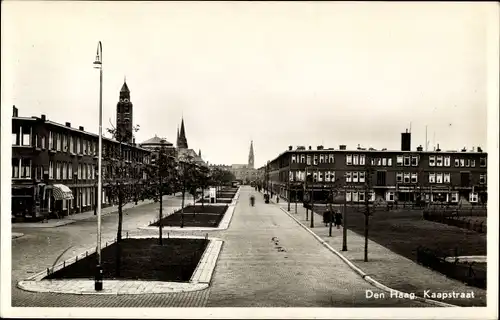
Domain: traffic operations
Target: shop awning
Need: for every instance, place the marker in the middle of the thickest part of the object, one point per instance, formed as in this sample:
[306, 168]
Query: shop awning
[62, 192]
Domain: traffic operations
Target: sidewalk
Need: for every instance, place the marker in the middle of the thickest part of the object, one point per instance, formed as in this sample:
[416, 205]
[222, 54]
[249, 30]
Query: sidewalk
[51, 223]
[385, 266]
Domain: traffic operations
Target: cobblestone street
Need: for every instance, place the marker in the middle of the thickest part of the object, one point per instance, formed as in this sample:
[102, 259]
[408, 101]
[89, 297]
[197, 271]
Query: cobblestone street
[267, 260]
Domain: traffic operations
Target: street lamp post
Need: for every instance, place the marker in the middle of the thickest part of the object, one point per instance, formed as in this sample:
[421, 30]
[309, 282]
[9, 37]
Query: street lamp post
[98, 275]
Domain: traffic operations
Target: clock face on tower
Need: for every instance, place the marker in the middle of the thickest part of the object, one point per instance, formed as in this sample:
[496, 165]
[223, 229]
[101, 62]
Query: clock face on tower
[124, 100]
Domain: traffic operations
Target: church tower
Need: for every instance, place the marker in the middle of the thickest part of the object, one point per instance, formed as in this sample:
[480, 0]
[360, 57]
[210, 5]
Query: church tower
[181, 140]
[250, 157]
[124, 116]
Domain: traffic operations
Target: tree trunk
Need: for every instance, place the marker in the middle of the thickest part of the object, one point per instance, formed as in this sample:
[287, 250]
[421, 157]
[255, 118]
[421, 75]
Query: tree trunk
[160, 223]
[182, 208]
[202, 197]
[367, 214]
[119, 232]
[194, 203]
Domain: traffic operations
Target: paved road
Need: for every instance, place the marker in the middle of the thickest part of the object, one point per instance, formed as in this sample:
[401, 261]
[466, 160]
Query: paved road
[250, 272]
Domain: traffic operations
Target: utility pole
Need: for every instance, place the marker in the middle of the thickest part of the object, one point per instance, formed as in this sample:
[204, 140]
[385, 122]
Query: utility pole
[288, 189]
[344, 227]
[306, 193]
[368, 179]
[312, 200]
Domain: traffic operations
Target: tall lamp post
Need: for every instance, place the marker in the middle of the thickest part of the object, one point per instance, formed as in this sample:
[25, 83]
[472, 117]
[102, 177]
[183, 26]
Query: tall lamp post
[98, 275]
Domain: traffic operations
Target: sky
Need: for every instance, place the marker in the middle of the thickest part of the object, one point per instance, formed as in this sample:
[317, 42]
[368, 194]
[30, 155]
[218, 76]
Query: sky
[277, 73]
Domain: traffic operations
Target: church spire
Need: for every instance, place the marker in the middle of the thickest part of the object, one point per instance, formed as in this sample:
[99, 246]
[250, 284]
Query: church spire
[182, 141]
[251, 156]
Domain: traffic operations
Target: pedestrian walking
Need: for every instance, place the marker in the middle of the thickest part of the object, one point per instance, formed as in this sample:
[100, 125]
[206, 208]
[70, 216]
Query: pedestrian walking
[338, 219]
[327, 217]
[277, 199]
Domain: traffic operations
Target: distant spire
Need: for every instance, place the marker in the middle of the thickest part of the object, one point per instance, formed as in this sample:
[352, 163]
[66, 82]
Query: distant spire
[182, 141]
[199, 153]
[251, 156]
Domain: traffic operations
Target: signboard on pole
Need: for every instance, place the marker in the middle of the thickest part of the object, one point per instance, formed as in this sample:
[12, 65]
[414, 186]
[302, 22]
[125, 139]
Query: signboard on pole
[213, 195]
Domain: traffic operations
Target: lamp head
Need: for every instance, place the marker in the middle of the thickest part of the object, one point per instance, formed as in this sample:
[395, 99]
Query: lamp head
[97, 63]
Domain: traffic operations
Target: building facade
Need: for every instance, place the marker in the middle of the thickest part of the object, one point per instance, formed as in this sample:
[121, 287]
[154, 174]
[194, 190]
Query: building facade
[381, 175]
[54, 167]
[245, 173]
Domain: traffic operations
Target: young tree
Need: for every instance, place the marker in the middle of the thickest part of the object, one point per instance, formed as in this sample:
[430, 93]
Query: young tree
[118, 177]
[162, 177]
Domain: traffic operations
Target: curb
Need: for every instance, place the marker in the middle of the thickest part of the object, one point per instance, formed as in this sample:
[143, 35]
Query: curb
[200, 279]
[363, 275]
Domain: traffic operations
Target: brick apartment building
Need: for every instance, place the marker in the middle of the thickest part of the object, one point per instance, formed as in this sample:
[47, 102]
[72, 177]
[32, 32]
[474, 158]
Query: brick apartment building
[381, 175]
[54, 167]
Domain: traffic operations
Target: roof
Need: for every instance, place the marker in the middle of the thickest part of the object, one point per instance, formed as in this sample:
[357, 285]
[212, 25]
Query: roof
[124, 88]
[156, 140]
[181, 153]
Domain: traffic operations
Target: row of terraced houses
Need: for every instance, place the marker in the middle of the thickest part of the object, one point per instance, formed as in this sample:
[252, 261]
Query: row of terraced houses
[408, 176]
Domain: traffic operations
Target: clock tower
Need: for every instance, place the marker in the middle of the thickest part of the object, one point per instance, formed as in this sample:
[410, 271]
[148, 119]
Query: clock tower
[124, 116]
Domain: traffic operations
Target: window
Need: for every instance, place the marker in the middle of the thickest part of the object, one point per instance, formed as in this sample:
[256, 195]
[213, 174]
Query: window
[414, 161]
[379, 162]
[454, 197]
[432, 178]
[315, 176]
[439, 178]
[362, 159]
[348, 159]
[384, 162]
[332, 176]
[467, 163]
[51, 170]
[372, 161]
[320, 176]
[15, 168]
[473, 163]
[348, 197]
[308, 160]
[65, 143]
[327, 176]
[447, 161]
[65, 171]
[482, 178]
[399, 177]
[439, 161]
[354, 177]
[302, 158]
[361, 197]
[432, 161]
[294, 158]
[390, 196]
[389, 162]
[51, 140]
[355, 197]
[315, 159]
[482, 162]
[462, 162]
[297, 176]
[79, 168]
[77, 145]
[457, 163]
[406, 178]
[58, 170]
[331, 157]
[355, 159]
[381, 175]
[25, 168]
[361, 177]
[43, 142]
[473, 197]
[321, 158]
[348, 177]
[447, 178]
[399, 160]
[27, 137]
[70, 171]
[414, 178]
[406, 160]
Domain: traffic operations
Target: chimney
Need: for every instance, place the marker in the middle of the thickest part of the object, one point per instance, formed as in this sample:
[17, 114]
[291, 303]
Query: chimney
[420, 148]
[438, 149]
[43, 117]
[290, 148]
[68, 124]
[319, 148]
[406, 141]
[14, 111]
[310, 148]
[81, 128]
[479, 149]
[133, 141]
[342, 147]
[463, 150]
